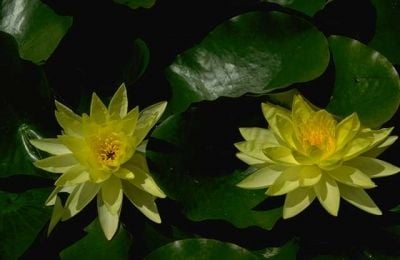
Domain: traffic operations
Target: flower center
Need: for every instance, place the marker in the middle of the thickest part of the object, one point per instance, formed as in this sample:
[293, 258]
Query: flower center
[108, 150]
[318, 132]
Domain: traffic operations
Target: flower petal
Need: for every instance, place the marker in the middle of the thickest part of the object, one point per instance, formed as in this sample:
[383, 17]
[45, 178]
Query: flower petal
[356, 147]
[286, 182]
[58, 211]
[68, 120]
[148, 117]
[109, 222]
[327, 192]
[351, 176]
[254, 149]
[129, 122]
[346, 130]
[73, 176]
[262, 178]
[270, 111]
[123, 173]
[57, 163]
[301, 110]
[249, 159]
[380, 148]
[50, 145]
[51, 200]
[79, 198]
[119, 102]
[309, 175]
[111, 193]
[259, 134]
[142, 179]
[372, 167]
[142, 201]
[280, 155]
[78, 147]
[296, 201]
[359, 198]
[98, 111]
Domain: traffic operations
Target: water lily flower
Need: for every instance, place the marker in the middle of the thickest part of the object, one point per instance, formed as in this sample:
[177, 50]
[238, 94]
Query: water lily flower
[306, 154]
[102, 155]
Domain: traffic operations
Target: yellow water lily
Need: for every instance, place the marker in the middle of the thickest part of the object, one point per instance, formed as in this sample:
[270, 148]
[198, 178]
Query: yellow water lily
[102, 154]
[306, 154]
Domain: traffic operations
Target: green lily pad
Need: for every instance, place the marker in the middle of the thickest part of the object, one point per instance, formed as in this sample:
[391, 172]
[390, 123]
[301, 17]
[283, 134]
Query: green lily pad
[35, 26]
[23, 107]
[95, 246]
[255, 52]
[136, 3]
[387, 33]
[366, 82]
[193, 160]
[309, 7]
[287, 251]
[201, 249]
[22, 216]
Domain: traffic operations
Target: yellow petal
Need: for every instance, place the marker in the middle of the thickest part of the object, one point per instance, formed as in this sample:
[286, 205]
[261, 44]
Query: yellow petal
[356, 147]
[262, 178]
[380, 148]
[68, 120]
[286, 182]
[142, 179]
[142, 201]
[57, 163]
[148, 117]
[301, 110]
[359, 198]
[280, 155]
[51, 200]
[346, 130]
[270, 111]
[259, 134]
[378, 136]
[254, 149]
[73, 176]
[372, 167]
[129, 122]
[111, 193]
[328, 195]
[249, 159]
[123, 173]
[309, 175]
[98, 111]
[351, 176]
[58, 211]
[279, 121]
[50, 145]
[296, 201]
[79, 198]
[98, 176]
[119, 102]
[78, 147]
[109, 222]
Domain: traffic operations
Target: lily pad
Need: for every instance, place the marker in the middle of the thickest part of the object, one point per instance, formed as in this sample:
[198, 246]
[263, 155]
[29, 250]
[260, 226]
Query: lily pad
[255, 52]
[136, 3]
[22, 217]
[95, 246]
[193, 160]
[387, 33]
[36, 27]
[24, 105]
[366, 82]
[201, 249]
[305, 6]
